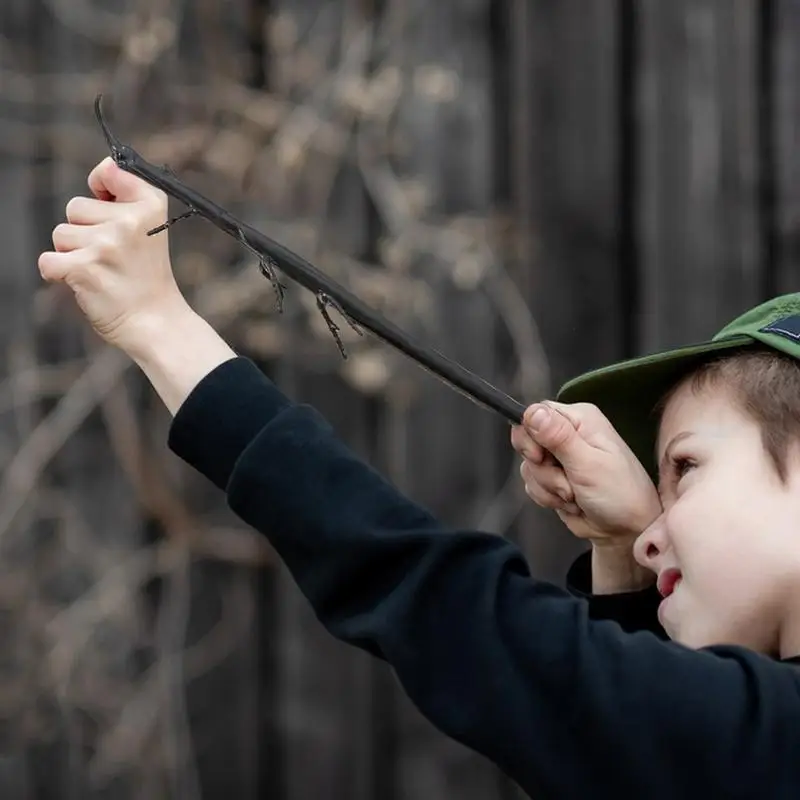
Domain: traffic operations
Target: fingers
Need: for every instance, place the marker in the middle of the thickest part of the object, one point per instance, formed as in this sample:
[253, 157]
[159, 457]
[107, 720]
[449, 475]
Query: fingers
[581, 415]
[107, 181]
[55, 266]
[90, 211]
[545, 481]
[71, 237]
[557, 432]
[98, 178]
[548, 487]
[524, 444]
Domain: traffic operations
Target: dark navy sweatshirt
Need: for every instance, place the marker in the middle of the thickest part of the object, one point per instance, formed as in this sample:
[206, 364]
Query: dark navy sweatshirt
[572, 697]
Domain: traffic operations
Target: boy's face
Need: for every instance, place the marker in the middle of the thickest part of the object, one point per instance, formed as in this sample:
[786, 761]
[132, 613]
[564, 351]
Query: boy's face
[727, 547]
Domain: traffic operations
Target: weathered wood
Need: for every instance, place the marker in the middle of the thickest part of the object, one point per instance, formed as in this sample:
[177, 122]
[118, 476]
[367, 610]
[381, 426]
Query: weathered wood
[229, 706]
[653, 210]
[786, 91]
[102, 505]
[571, 269]
[445, 448]
[324, 688]
[219, 704]
[18, 283]
[699, 200]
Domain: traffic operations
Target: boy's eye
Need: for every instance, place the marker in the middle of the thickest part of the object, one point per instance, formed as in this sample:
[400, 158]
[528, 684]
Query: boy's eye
[681, 465]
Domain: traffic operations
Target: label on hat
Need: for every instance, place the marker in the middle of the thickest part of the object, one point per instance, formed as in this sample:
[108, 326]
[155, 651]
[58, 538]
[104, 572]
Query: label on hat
[788, 327]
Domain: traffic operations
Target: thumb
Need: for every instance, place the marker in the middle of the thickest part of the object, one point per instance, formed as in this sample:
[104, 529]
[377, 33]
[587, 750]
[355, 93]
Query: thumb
[109, 182]
[557, 433]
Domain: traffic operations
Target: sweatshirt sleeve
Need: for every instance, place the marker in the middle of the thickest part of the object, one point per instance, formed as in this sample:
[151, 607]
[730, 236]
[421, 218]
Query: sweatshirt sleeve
[512, 667]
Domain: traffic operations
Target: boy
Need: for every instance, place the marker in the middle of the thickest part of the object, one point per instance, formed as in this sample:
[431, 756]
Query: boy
[569, 707]
[739, 399]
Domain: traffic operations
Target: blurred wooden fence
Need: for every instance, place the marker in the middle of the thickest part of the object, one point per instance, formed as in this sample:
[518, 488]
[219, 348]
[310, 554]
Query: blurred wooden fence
[632, 163]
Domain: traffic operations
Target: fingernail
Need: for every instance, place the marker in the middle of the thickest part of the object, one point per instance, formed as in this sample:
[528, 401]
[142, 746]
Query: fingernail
[537, 419]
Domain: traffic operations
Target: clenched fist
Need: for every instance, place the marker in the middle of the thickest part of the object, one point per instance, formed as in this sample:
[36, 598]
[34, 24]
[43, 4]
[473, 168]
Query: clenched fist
[119, 275]
[575, 463]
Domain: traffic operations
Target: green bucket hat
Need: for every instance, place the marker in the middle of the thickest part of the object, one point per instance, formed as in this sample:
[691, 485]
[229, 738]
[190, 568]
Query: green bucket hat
[628, 392]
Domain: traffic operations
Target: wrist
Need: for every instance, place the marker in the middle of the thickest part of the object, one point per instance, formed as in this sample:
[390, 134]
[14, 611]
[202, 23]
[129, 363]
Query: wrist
[649, 514]
[615, 570]
[635, 523]
[175, 348]
[145, 332]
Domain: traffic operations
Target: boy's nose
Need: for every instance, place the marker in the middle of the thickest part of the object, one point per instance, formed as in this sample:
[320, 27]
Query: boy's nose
[651, 545]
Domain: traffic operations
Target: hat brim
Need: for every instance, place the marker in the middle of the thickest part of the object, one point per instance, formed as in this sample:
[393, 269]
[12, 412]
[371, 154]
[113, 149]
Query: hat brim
[628, 392]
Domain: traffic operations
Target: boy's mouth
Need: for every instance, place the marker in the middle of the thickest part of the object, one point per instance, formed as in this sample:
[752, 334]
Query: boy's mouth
[668, 581]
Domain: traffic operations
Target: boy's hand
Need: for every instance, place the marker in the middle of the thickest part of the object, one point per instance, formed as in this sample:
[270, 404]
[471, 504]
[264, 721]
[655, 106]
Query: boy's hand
[576, 463]
[122, 278]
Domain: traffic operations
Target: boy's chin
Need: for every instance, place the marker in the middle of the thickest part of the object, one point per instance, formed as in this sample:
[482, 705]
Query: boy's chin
[696, 636]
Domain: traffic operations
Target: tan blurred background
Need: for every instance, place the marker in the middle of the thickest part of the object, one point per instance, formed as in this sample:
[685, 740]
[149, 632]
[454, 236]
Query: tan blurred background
[533, 187]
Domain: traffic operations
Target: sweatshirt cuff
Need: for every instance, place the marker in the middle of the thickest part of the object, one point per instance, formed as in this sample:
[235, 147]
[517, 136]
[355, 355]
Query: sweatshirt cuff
[222, 415]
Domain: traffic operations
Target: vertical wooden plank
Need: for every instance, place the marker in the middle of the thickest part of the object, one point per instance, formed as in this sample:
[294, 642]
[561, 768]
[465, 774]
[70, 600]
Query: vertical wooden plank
[786, 91]
[569, 146]
[575, 276]
[105, 523]
[324, 687]
[110, 524]
[39, 535]
[699, 212]
[231, 728]
[18, 284]
[443, 447]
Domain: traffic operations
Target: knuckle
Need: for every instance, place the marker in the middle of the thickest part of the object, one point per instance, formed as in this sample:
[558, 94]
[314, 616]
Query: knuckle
[528, 472]
[52, 267]
[46, 269]
[558, 486]
[533, 492]
[60, 234]
[594, 415]
[519, 439]
[560, 432]
[138, 219]
[106, 245]
[538, 494]
[156, 202]
[551, 479]
[129, 225]
[544, 500]
[588, 410]
[74, 207]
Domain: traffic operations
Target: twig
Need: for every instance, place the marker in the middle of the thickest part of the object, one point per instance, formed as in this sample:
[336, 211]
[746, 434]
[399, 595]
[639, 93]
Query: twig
[308, 276]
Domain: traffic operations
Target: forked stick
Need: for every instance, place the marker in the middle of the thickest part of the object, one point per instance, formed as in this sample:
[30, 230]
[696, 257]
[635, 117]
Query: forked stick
[273, 256]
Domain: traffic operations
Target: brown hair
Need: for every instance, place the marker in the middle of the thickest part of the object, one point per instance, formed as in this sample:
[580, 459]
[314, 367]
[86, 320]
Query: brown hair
[766, 385]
